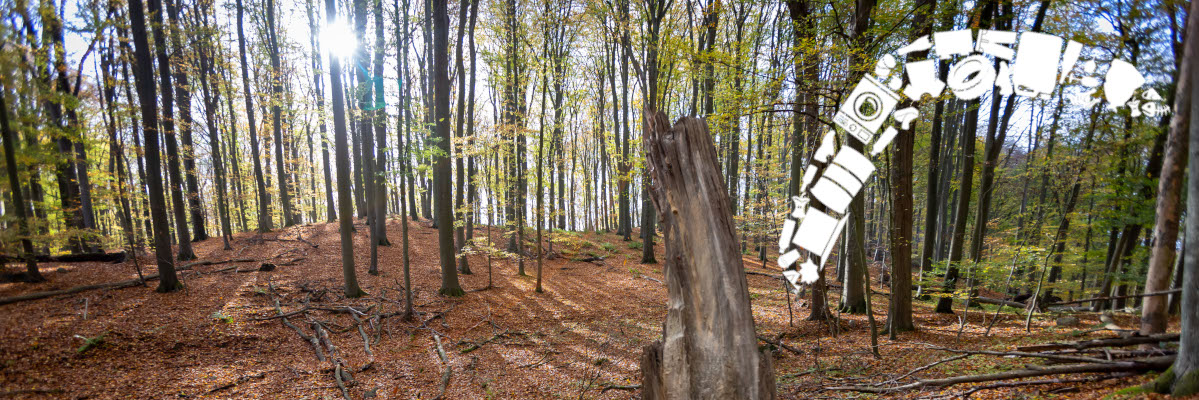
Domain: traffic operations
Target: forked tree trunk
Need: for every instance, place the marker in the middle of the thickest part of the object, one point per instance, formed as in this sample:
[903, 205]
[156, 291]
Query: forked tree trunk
[709, 348]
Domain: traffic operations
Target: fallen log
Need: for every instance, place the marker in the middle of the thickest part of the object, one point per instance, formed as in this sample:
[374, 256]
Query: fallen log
[77, 289]
[1002, 302]
[1058, 381]
[1131, 296]
[1148, 364]
[109, 285]
[1047, 356]
[115, 258]
[1106, 342]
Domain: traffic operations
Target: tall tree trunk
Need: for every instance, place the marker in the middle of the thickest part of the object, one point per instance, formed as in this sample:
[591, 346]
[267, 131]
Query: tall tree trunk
[900, 316]
[1183, 378]
[318, 91]
[276, 79]
[183, 97]
[345, 207]
[207, 54]
[460, 168]
[167, 280]
[67, 170]
[853, 295]
[379, 116]
[168, 126]
[1169, 208]
[405, 197]
[441, 162]
[983, 11]
[264, 208]
[14, 185]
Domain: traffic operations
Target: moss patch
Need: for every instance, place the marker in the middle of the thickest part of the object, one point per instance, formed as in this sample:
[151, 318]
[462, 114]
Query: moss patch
[1187, 384]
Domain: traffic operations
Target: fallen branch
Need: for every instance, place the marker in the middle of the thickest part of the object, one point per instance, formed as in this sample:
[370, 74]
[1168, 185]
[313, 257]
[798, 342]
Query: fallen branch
[1002, 302]
[114, 285]
[189, 265]
[1047, 356]
[240, 380]
[610, 386]
[366, 341]
[476, 346]
[1001, 385]
[779, 343]
[115, 258]
[77, 289]
[930, 365]
[1131, 296]
[1107, 342]
[1148, 364]
[445, 377]
[316, 346]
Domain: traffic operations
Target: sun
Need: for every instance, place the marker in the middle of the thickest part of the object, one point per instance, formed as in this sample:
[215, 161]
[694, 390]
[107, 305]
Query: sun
[337, 39]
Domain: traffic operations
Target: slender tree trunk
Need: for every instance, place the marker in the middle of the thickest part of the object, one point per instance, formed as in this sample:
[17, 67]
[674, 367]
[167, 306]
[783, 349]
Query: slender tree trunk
[276, 79]
[441, 162]
[211, 100]
[346, 217]
[168, 126]
[167, 280]
[14, 184]
[1183, 378]
[264, 208]
[1154, 315]
[460, 168]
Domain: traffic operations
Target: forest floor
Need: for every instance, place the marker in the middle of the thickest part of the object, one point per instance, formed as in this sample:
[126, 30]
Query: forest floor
[581, 338]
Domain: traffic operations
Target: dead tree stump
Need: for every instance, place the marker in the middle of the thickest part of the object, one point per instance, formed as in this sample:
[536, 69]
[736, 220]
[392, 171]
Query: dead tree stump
[709, 347]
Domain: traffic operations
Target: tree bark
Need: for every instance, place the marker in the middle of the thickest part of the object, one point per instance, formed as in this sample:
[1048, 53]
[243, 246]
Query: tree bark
[1183, 377]
[344, 199]
[1169, 208]
[14, 184]
[709, 349]
[441, 162]
[146, 95]
[264, 207]
[168, 125]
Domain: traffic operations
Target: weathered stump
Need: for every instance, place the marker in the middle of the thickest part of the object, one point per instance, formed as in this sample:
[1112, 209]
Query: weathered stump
[709, 346]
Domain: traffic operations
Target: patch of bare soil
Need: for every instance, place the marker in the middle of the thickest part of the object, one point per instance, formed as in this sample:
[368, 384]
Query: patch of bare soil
[581, 338]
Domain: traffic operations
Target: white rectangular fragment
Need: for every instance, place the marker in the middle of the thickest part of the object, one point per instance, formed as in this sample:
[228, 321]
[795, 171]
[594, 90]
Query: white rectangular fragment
[788, 258]
[854, 162]
[831, 195]
[785, 236]
[843, 178]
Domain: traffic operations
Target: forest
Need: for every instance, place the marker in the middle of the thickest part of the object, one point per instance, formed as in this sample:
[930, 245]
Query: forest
[659, 199]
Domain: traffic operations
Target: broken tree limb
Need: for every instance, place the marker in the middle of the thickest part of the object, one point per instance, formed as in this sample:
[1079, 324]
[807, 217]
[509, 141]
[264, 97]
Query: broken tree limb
[1059, 381]
[76, 289]
[110, 285]
[239, 381]
[449, 371]
[115, 258]
[1131, 296]
[927, 366]
[779, 343]
[1148, 364]
[1047, 356]
[1106, 342]
[1002, 302]
[476, 346]
[366, 341]
[708, 347]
